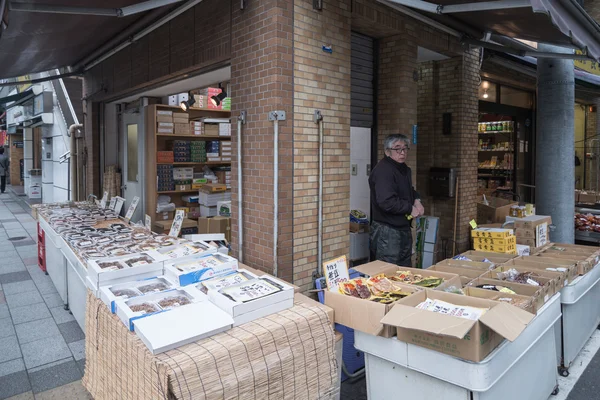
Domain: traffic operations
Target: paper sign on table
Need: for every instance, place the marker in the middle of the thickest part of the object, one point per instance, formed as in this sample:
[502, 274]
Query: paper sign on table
[132, 207]
[336, 272]
[113, 203]
[119, 205]
[104, 200]
[177, 222]
[148, 222]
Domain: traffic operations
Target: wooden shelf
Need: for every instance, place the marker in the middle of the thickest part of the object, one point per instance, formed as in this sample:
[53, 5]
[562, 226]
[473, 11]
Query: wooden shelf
[195, 136]
[492, 132]
[179, 191]
[496, 151]
[197, 163]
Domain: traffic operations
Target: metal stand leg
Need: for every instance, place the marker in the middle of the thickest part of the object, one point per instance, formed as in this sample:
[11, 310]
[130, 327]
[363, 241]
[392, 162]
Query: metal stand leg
[555, 391]
[563, 371]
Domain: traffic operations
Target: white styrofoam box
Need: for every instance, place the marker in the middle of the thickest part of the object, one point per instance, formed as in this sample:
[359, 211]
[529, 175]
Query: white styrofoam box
[182, 97]
[197, 248]
[213, 199]
[233, 278]
[208, 211]
[243, 312]
[129, 290]
[129, 316]
[165, 331]
[172, 100]
[359, 245]
[102, 277]
[193, 269]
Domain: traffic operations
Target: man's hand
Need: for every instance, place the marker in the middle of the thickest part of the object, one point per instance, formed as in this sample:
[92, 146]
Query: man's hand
[419, 207]
[415, 212]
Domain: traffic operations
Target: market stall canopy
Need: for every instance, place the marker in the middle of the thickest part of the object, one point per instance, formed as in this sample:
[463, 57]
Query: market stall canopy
[558, 22]
[40, 36]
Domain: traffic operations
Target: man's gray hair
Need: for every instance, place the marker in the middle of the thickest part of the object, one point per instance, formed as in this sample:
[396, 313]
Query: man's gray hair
[391, 139]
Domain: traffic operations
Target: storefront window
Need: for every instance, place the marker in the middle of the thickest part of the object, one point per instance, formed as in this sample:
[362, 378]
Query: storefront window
[132, 153]
[487, 91]
[515, 97]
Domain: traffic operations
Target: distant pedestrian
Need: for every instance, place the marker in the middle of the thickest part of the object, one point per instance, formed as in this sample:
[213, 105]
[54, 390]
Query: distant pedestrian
[4, 163]
[395, 203]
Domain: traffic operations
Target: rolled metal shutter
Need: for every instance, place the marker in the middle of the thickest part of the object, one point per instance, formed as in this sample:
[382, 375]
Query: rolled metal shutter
[363, 76]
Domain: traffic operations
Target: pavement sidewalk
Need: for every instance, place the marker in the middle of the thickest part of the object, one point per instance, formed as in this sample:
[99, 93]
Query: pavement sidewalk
[42, 349]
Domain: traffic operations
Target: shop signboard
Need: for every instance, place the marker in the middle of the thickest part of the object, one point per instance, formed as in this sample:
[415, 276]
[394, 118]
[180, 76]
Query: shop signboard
[336, 272]
[587, 65]
[24, 86]
[42, 103]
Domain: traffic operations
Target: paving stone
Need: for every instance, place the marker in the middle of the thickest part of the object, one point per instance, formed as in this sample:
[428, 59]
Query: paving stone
[71, 331]
[6, 328]
[19, 287]
[74, 390]
[14, 266]
[23, 299]
[53, 300]
[4, 311]
[78, 349]
[45, 287]
[32, 312]
[13, 277]
[9, 349]
[81, 364]
[10, 367]
[14, 384]
[2, 297]
[30, 261]
[45, 351]
[61, 315]
[36, 330]
[9, 220]
[26, 246]
[23, 396]
[53, 377]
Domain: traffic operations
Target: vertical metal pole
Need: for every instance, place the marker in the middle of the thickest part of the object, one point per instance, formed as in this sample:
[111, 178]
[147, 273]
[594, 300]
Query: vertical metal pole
[275, 196]
[241, 122]
[318, 118]
[555, 168]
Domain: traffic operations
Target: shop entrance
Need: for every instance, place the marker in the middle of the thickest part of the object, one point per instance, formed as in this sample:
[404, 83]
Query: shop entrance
[132, 139]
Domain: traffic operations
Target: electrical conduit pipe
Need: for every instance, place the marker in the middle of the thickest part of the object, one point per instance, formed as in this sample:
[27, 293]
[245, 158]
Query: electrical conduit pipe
[241, 121]
[318, 118]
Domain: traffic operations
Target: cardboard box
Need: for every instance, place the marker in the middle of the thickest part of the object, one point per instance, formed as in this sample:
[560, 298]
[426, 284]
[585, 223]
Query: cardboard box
[528, 302]
[466, 274]
[182, 128]
[584, 263]
[133, 289]
[555, 279]
[495, 248]
[197, 268]
[587, 198]
[495, 212]
[152, 265]
[165, 331]
[492, 233]
[539, 297]
[547, 288]
[523, 250]
[479, 266]
[496, 258]
[165, 226]
[244, 312]
[532, 221]
[363, 315]
[460, 337]
[508, 241]
[300, 299]
[129, 317]
[568, 273]
[215, 225]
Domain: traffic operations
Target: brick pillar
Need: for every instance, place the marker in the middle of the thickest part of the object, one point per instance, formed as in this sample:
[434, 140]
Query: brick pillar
[92, 142]
[592, 129]
[397, 86]
[261, 81]
[321, 81]
[449, 86]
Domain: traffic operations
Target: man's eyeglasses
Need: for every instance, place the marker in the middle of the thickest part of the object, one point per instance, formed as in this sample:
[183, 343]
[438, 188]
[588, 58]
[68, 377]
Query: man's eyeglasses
[401, 150]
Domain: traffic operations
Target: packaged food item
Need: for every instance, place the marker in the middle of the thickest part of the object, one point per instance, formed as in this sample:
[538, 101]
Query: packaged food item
[251, 290]
[110, 265]
[442, 307]
[145, 308]
[513, 275]
[226, 281]
[126, 293]
[173, 301]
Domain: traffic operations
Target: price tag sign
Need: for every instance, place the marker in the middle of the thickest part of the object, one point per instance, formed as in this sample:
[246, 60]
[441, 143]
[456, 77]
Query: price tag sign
[104, 200]
[473, 224]
[113, 203]
[177, 223]
[132, 207]
[148, 222]
[542, 235]
[336, 272]
[119, 205]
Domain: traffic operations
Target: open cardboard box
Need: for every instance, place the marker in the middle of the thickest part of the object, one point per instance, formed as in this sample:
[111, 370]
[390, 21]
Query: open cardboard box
[458, 337]
[466, 274]
[569, 274]
[528, 302]
[380, 267]
[479, 266]
[548, 285]
[539, 294]
[495, 211]
[584, 263]
[496, 258]
[556, 280]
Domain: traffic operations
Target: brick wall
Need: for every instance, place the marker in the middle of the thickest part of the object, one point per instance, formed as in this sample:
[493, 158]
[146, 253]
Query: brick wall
[15, 154]
[593, 8]
[321, 81]
[261, 81]
[449, 86]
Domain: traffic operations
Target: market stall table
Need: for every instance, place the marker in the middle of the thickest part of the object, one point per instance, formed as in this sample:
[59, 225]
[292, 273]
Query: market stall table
[521, 370]
[288, 355]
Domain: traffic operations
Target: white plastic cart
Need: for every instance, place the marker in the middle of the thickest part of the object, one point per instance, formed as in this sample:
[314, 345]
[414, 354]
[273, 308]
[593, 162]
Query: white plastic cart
[55, 259]
[580, 302]
[521, 370]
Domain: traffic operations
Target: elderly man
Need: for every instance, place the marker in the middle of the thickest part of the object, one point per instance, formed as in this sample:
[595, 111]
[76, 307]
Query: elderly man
[395, 203]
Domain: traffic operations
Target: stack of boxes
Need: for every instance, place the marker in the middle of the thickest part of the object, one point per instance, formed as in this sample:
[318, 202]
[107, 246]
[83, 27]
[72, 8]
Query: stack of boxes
[211, 129]
[164, 120]
[182, 151]
[226, 105]
[213, 151]
[207, 94]
[181, 122]
[494, 240]
[165, 178]
[225, 150]
[533, 231]
[223, 175]
[224, 129]
[183, 178]
[197, 128]
[165, 157]
[198, 151]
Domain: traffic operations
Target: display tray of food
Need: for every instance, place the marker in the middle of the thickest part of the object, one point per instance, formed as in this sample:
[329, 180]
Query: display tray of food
[129, 290]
